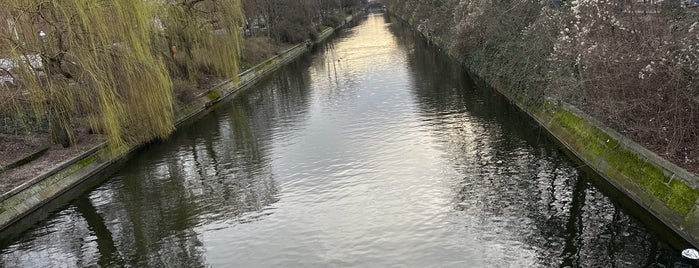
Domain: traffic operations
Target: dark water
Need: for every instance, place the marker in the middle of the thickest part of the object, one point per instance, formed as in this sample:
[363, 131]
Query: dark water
[374, 151]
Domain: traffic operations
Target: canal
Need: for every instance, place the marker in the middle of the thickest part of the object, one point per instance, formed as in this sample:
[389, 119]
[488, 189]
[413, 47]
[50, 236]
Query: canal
[375, 150]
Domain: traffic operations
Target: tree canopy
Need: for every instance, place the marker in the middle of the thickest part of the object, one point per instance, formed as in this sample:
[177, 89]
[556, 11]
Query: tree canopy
[109, 64]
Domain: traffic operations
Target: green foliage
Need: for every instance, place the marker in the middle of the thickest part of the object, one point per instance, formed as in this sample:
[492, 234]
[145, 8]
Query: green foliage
[96, 60]
[110, 62]
[202, 37]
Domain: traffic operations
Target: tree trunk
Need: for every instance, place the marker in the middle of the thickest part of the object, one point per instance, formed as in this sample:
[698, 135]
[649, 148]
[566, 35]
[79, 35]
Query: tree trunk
[59, 133]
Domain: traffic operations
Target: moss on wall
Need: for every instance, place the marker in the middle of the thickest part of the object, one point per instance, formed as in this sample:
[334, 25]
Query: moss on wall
[597, 146]
[667, 191]
[213, 95]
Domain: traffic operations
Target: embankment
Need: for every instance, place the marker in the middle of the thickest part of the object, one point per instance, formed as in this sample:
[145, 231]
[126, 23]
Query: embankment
[665, 190]
[38, 192]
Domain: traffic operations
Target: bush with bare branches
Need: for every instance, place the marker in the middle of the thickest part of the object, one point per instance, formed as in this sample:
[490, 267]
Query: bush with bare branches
[631, 64]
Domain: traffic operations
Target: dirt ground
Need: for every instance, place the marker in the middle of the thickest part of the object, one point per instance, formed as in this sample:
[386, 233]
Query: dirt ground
[14, 147]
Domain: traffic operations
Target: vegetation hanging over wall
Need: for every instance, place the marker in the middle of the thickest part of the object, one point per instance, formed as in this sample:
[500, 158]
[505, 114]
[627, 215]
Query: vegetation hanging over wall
[202, 37]
[109, 65]
[119, 68]
[631, 64]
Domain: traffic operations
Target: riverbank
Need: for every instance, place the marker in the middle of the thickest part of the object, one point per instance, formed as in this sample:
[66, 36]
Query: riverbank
[84, 163]
[392, 144]
[665, 190]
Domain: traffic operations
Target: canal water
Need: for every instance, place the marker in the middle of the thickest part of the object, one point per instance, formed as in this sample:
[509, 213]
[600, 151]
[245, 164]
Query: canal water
[375, 150]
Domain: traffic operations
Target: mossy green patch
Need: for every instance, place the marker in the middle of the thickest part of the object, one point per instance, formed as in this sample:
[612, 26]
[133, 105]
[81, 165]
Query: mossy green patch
[266, 64]
[682, 198]
[213, 95]
[322, 28]
[658, 189]
[86, 161]
[677, 195]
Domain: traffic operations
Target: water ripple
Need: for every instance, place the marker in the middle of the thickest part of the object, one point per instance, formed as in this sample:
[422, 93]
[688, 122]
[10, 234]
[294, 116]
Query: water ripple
[374, 152]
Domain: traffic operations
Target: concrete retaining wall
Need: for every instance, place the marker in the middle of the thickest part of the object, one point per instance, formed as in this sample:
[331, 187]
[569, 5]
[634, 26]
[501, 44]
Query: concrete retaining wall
[665, 190]
[32, 195]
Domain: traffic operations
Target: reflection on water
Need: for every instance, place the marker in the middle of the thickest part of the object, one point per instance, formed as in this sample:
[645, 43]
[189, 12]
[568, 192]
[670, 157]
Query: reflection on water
[373, 151]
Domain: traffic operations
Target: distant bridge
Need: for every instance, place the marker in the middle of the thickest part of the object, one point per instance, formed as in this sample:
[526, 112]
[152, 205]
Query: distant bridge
[374, 6]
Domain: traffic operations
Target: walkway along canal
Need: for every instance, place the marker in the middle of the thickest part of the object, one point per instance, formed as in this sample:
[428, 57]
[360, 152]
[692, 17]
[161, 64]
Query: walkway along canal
[374, 150]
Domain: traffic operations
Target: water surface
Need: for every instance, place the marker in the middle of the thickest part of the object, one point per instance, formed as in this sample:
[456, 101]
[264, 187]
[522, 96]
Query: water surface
[373, 151]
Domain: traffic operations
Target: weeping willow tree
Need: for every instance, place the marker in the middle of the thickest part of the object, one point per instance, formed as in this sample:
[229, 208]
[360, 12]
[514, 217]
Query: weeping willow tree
[105, 64]
[94, 62]
[203, 37]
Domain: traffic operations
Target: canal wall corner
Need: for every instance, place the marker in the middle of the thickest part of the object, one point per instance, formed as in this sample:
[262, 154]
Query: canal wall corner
[37, 192]
[668, 192]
